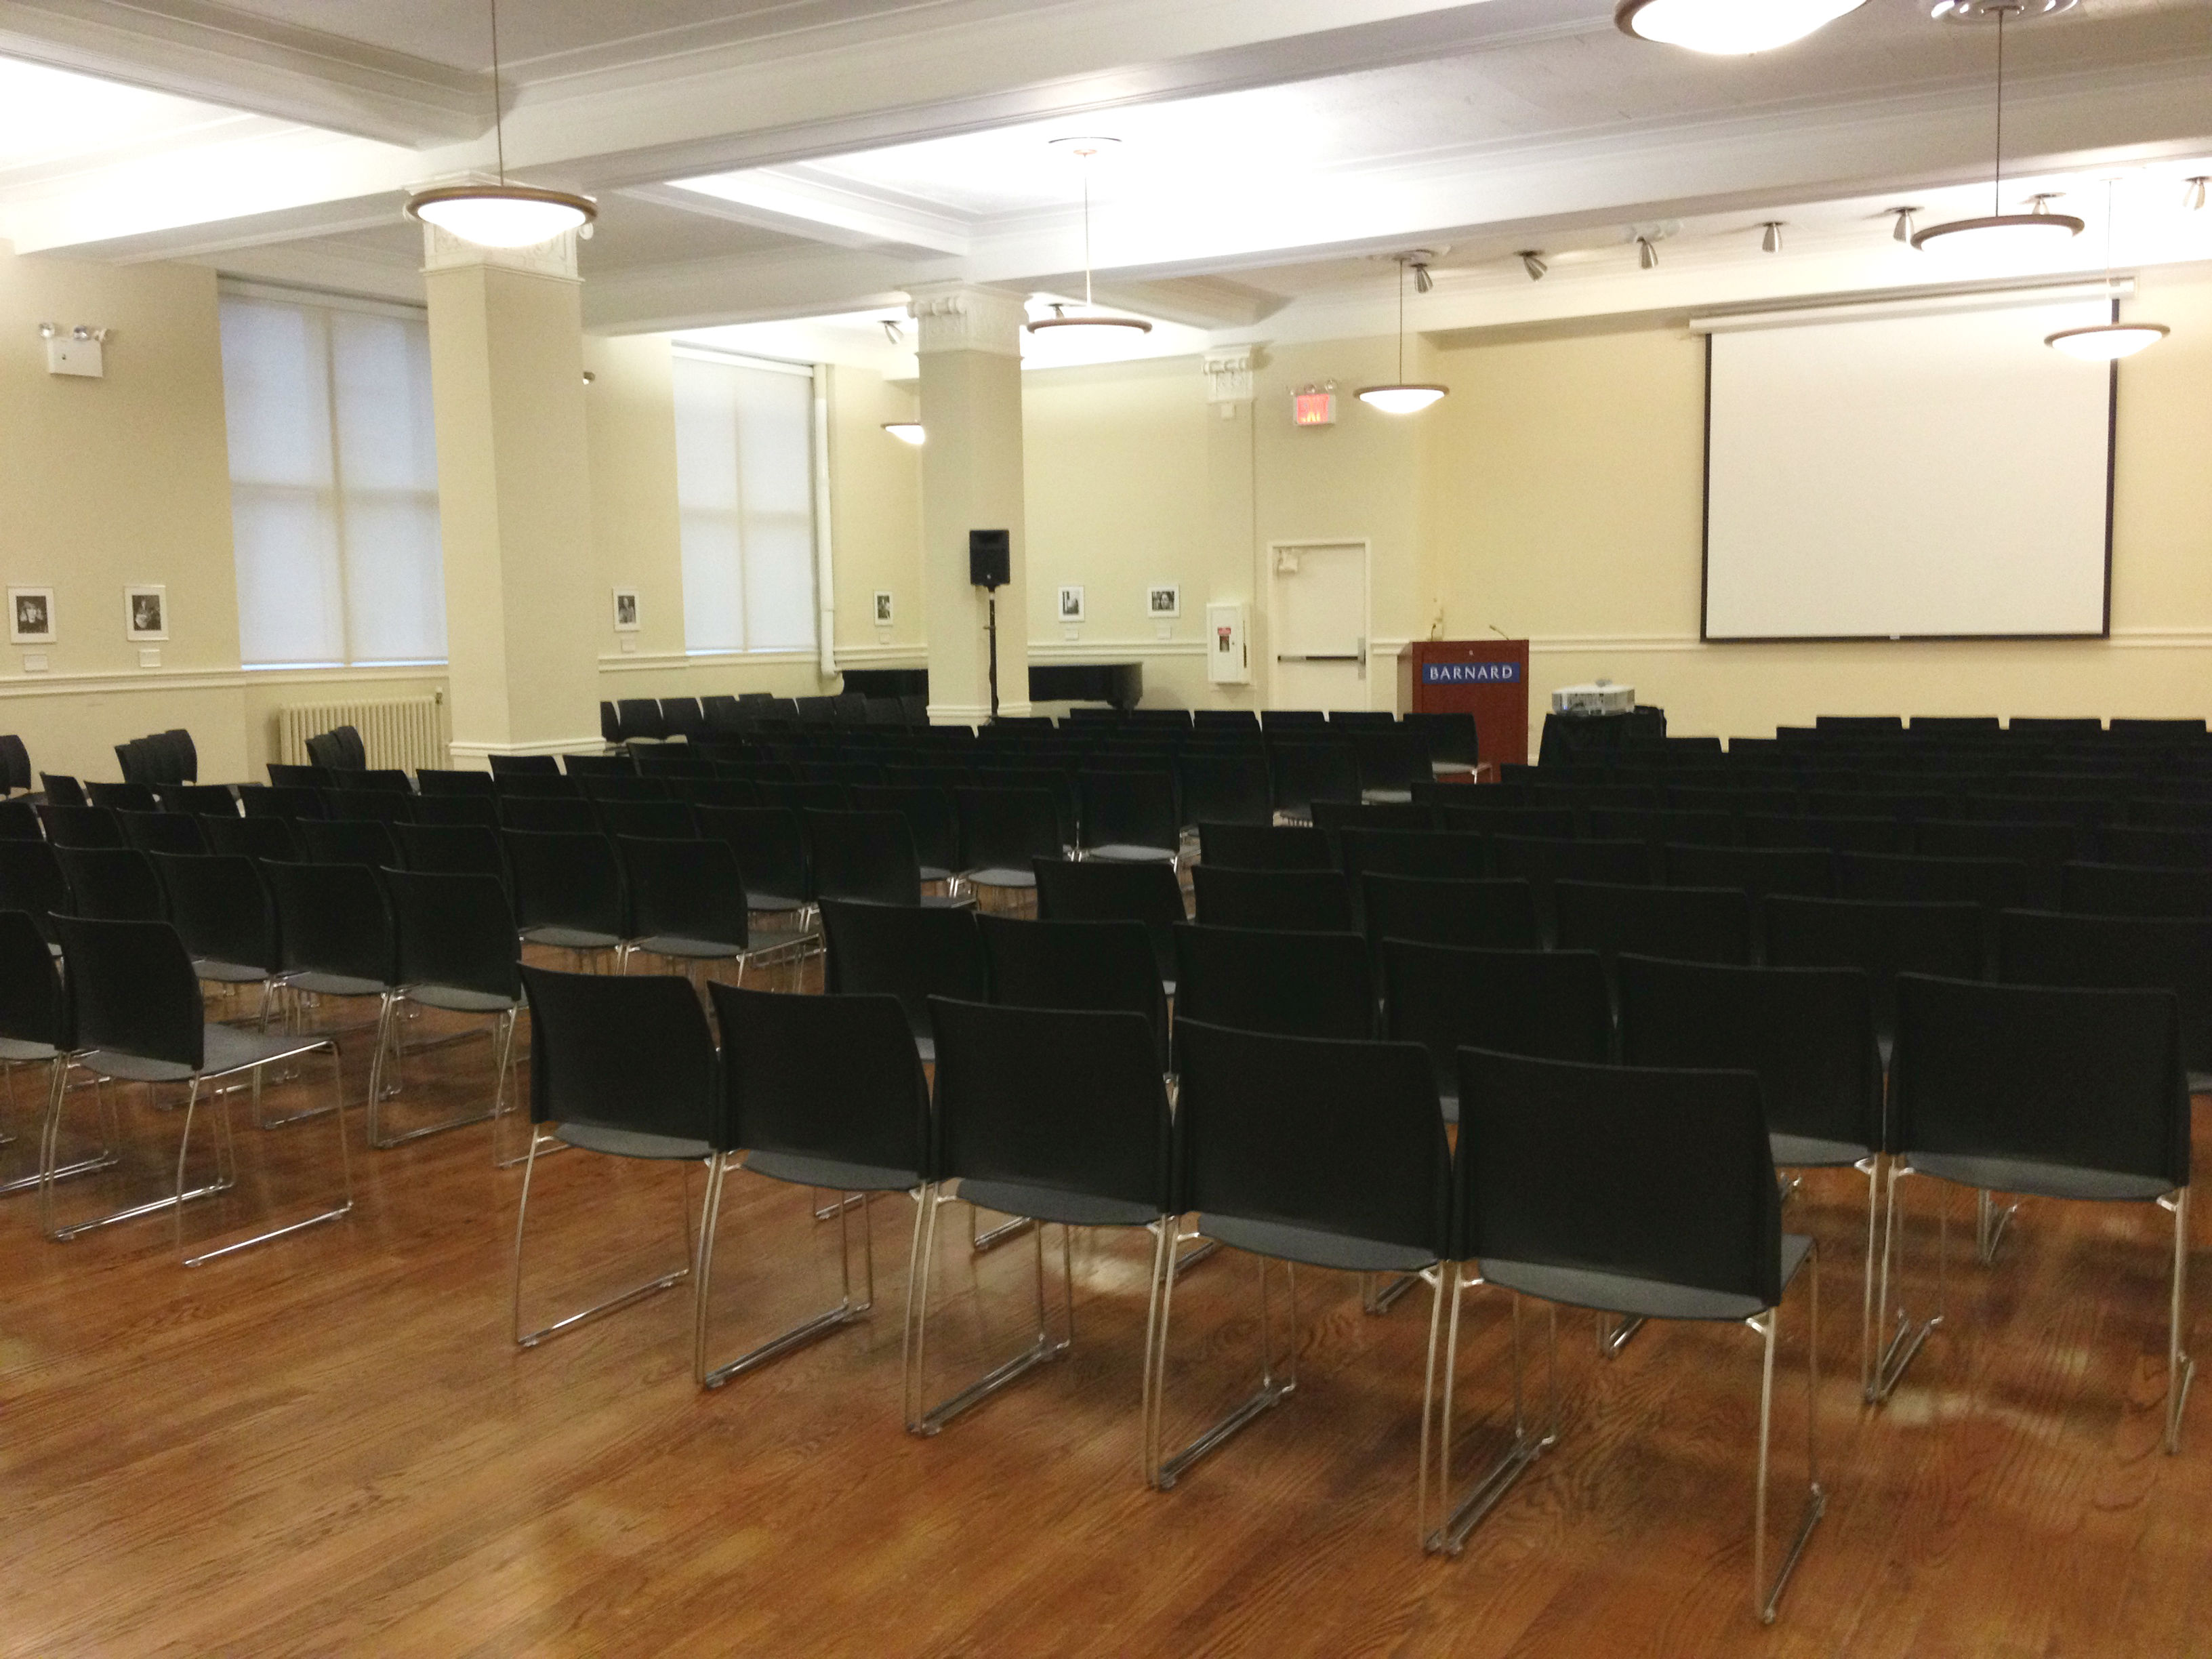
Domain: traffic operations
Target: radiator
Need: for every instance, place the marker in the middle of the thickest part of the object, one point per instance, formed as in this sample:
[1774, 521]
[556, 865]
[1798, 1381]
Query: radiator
[409, 732]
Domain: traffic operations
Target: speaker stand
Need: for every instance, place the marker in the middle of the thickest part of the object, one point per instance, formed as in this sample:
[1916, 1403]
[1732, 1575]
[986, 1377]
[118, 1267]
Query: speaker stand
[992, 596]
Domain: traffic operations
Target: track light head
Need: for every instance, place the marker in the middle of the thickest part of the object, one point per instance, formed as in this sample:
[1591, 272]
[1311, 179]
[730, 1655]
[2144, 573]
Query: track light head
[1903, 229]
[1532, 262]
[2192, 194]
[1772, 241]
[1422, 281]
[1647, 255]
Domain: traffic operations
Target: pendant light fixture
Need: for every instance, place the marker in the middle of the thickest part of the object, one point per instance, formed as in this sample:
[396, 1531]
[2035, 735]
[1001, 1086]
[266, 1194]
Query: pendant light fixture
[2105, 343]
[1084, 149]
[1999, 229]
[1728, 27]
[1402, 397]
[502, 214]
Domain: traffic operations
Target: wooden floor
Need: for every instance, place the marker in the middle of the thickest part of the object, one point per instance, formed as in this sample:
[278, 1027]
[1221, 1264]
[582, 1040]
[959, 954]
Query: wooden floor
[330, 1444]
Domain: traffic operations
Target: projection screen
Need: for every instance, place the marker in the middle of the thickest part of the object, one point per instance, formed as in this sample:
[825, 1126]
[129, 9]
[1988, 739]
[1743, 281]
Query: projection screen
[1880, 472]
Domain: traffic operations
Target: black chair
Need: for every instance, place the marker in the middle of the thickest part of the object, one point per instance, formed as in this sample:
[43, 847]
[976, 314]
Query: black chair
[771, 851]
[1413, 817]
[200, 799]
[455, 942]
[61, 790]
[821, 1092]
[640, 718]
[436, 781]
[19, 821]
[269, 800]
[1260, 846]
[1002, 831]
[1552, 1004]
[1534, 822]
[162, 832]
[1644, 1193]
[1882, 939]
[2167, 953]
[570, 815]
[1305, 772]
[1053, 1115]
[15, 765]
[122, 797]
[83, 826]
[929, 819]
[1302, 1150]
[623, 1067]
[1227, 789]
[1391, 762]
[31, 880]
[1454, 857]
[252, 838]
[504, 767]
[646, 820]
[866, 855]
[568, 892]
[538, 785]
[112, 884]
[1098, 966]
[2113, 890]
[2055, 1092]
[1494, 915]
[1302, 901]
[1994, 883]
[34, 1030]
[2155, 846]
[139, 1018]
[221, 909]
[1802, 872]
[336, 942]
[1808, 1034]
[349, 840]
[1685, 924]
[326, 753]
[687, 905]
[2029, 843]
[1130, 817]
[1096, 890]
[1257, 980]
[913, 954]
[451, 850]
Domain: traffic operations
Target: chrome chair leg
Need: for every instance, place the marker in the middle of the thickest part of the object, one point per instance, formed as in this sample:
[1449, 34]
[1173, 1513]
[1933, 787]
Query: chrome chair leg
[1379, 1292]
[49, 1174]
[1871, 1168]
[1612, 1339]
[104, 1158]
[1273, 1389]
[847, 1312]
[980, 1241]
[1454, 1522]
[1043, 1346]
[1767, 1596]
[344, 1205]
[1905, 1339]
[622, 1299]
[2180, 1369]
[1989, 1224]
[398, 1007]
[837, 1206]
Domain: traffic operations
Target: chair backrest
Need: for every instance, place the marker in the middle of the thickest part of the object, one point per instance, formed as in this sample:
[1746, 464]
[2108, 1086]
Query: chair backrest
[1405, 818]
[863, 855]
[2044, 842]
[1227, 789]
[19, 821]
[325, 750]
[112, 884]
[1882, 938]
[33, 1008]
[627, 1052]
[382, 805]
[1805, 871]
[273, 800]
[2155, 846]
[2171, 953]
[2087, 1080]
[436, 781]
[929, 819]
[162, 832]
[1342, 1137]
[456, 931]
[83, 826]
[1994, 883]
[221, 909]
[1623, 863]
[132, 989]
[833, 1076]
[1808, 1033]
[1494, 915]
[1264, 847]
[200, 799]
[1305, 772]
[62, 790]
[14, 763]
[122, 797]
[350, 746]
[911, 953]
[2111, 890]
[1451, 855]
[1005, 828]
[1302, 901]
[770, 845]
[31, 880]
[663, 820]
[253, 838]
[349, 840]
[1129, 809]
[1552, 1003]
[640, 717]
[1099, 890]
[333, 919]
[1688, 924]
[1316, 984]
[691, 890]
[451, 850]
[565, 879]
[1095, 965]
[548, 814]
[1659, 1175]
[523, 766]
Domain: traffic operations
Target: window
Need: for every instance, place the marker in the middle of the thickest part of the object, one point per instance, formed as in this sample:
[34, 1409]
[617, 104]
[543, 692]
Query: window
[744, 486]
[333, 482]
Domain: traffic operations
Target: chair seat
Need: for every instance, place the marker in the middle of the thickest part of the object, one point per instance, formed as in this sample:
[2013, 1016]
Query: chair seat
[1644, 1298]
[1130, 852]
[994, 877]
[456, 1000]
[1057, 1204]
[570, 939]
[1314, 1246]
[772, 903]
[228, 973]
[698, 949]
[2023, 1175]
[223, 1049]
[14, 1051]
[2200, 1083]
[948, 902]
[1815, 1153]
[835, 1175]
[629, 1143]
[1386, 797]
[336, 985]
[1448, 1099]
[935, 872]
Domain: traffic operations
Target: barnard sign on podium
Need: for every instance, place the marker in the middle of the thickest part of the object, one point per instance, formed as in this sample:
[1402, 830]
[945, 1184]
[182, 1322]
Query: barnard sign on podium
[1470, 673]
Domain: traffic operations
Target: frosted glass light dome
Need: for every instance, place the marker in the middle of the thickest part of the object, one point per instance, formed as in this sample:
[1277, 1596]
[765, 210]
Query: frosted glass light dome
[1399, 399]
[2107, 343]
[1728, 27]
[502, 216]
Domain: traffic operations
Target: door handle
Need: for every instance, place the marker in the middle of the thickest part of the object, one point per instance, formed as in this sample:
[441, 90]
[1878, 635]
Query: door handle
[1316, 657]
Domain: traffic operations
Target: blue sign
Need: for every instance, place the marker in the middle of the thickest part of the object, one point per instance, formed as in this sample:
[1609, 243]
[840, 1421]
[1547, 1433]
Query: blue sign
[1470, 673]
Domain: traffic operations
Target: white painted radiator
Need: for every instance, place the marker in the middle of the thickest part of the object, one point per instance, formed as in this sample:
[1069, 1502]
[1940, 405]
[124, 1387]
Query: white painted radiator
[407, 732]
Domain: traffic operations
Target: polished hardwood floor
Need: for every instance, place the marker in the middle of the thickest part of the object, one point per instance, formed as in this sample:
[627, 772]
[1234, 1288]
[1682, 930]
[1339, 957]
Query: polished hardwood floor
[330, 1445]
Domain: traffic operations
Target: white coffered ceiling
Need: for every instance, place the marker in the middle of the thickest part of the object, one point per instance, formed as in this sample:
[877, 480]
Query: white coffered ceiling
[759, 160]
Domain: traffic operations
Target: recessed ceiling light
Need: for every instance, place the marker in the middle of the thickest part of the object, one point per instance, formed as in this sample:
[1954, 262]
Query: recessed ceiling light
[1728, 27]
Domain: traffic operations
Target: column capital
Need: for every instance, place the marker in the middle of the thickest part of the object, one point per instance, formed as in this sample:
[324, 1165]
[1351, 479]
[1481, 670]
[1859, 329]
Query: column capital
[1229, 374]
[443, 251]
[962, 316]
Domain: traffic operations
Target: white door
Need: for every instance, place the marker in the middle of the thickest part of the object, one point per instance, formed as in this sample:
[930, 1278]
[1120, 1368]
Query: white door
[1318, 625]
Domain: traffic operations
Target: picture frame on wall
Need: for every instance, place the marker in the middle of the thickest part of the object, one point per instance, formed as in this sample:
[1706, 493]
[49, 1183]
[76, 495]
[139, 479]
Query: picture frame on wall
[1164, 601]
[1071, 605]
[146, 612]
[31, 616]
[625, 611]
[883, 607]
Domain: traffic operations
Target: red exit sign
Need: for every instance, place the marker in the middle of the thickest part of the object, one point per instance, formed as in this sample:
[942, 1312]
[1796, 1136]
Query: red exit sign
[1313, 409]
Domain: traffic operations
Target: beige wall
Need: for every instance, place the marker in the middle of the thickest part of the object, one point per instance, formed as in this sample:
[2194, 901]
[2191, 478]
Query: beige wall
[875, 517]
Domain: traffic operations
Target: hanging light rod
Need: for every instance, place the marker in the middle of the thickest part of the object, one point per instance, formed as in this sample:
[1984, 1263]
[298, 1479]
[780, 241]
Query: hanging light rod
[1997, 227]
[2106, 342]
[502, 214]
[1085, 149]
[1403, 397]
[1728, 27]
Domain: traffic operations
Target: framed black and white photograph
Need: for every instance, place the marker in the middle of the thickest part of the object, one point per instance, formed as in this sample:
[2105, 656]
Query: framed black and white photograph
[883, 607]
[146, 613]
[1071, 605]
[31, 616]
[1164, 600]
[625, 611]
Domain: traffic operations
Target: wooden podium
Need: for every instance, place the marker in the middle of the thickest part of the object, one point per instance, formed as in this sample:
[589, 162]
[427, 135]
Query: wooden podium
[1486, 678]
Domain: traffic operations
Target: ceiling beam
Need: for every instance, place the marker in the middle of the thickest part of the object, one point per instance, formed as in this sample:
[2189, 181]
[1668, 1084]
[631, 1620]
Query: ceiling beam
[778, 198]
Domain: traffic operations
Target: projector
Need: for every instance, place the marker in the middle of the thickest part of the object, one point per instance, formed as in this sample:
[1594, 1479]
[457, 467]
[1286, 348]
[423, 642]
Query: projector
[1600, 697]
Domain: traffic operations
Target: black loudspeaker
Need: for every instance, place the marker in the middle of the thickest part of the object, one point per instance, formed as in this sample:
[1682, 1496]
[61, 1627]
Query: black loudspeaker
[990, 558]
